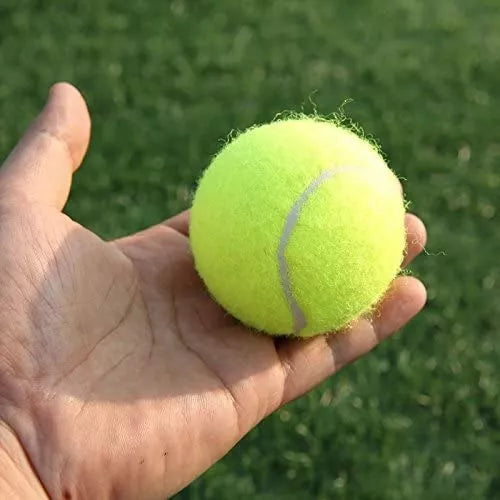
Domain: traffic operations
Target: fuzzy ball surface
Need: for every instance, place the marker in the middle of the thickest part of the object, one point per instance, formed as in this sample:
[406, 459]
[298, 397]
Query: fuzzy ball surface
[297, 227]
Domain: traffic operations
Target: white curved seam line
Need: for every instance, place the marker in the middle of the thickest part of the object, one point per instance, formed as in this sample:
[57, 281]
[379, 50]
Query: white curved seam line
[299, 319]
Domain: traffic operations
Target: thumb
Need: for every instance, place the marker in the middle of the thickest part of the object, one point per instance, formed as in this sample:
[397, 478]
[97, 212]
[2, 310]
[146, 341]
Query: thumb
[41, 166]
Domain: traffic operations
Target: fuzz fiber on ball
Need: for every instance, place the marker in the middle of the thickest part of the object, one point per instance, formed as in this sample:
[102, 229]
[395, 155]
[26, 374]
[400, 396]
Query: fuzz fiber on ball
[297, 227]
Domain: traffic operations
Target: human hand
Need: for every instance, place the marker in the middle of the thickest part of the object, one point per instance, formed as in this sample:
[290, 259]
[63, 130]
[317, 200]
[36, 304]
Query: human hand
[119, 376]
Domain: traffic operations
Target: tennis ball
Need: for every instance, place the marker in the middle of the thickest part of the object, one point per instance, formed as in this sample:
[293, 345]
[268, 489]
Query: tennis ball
[297, 227]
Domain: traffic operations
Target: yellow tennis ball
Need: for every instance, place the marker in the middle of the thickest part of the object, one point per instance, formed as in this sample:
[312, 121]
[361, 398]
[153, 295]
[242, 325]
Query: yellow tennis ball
[297, 227]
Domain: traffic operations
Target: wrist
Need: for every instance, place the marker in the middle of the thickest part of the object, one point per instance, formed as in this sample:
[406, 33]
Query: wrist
[17, 478]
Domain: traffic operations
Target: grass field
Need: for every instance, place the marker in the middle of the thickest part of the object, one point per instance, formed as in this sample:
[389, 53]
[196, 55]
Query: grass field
[167, 80]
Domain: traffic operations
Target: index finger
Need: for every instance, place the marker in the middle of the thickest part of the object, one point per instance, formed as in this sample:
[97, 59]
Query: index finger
[416, 235]
[179, 222]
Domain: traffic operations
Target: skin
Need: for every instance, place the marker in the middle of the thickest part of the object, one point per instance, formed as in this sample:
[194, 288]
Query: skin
[119, 376]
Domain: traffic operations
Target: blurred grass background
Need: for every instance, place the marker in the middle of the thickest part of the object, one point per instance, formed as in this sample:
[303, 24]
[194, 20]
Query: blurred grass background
[167, 80]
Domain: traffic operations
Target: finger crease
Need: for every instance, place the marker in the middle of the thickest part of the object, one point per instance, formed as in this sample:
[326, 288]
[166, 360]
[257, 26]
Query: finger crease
[60, 141]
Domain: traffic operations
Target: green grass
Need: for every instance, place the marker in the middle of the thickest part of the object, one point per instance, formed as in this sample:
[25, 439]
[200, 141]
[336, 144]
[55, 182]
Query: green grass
[167, 80]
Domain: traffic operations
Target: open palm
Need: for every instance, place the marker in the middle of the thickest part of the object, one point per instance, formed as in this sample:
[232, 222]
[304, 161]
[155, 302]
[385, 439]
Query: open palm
[119, 376]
